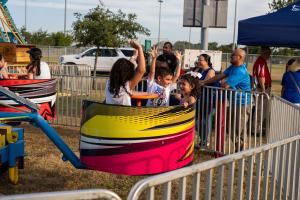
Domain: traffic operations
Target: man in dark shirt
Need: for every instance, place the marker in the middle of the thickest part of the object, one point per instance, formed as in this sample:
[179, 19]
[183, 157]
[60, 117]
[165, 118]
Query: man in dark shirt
[168, 56]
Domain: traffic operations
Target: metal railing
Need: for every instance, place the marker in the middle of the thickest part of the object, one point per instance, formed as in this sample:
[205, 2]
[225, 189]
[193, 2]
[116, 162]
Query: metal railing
[71, 70]
[17, 69]
[72, 90]
[56, 69]
[271, 171]
[66, 195]
[229, 121]
[284, 119]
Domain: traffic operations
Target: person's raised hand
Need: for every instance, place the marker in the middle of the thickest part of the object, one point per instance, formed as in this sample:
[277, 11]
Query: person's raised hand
[134, 44]
[185, 104]
[154, 52]
[178, 55]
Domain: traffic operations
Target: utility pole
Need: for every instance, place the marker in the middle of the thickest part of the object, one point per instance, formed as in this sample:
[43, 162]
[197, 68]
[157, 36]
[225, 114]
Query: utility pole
[234, 27]
[158, 37]
[190, 32]
[65, 21]
[25, 15]
[204, 29]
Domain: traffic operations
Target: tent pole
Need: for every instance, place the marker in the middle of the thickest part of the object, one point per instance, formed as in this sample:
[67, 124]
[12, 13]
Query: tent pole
[247, 57]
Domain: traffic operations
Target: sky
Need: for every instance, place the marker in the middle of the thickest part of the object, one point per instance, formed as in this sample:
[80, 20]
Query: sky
[49, 15]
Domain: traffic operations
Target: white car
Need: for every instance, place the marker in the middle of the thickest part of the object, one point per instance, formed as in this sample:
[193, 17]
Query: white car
[107, 57]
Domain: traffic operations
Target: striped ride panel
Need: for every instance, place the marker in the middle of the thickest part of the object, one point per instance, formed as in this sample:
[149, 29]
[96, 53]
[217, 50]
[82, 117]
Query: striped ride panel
[11, 95]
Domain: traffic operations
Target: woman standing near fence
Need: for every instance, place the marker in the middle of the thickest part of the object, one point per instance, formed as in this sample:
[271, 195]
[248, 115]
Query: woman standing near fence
[204, 66]
[37, 69]
[291, 83]
[208, 106]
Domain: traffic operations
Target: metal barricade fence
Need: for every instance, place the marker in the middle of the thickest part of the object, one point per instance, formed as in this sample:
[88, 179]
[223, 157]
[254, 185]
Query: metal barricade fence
[71, 70]
[71, 91]
[284, 119]
[17, 69]
[66, 195]
[229, 121]
[271, 171]
[56, 69]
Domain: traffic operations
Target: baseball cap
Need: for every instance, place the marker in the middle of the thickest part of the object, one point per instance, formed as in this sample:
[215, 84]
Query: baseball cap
[36, 53]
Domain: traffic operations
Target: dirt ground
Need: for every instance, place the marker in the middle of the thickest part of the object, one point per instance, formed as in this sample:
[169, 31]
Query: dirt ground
[45, 170]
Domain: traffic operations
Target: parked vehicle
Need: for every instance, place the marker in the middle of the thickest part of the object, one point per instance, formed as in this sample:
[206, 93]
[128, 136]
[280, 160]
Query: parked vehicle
[107, 57]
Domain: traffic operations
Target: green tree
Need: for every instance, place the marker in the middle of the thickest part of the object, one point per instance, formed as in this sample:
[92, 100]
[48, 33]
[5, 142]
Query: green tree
[277, 4]
[254, 49]
[102, 27]
[60, 39]
[41, 37]
[225, 48]
[212, 46]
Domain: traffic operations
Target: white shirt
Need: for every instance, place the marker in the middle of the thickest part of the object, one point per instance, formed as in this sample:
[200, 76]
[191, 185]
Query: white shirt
[45, 72]
[163, 93]
[122, 99]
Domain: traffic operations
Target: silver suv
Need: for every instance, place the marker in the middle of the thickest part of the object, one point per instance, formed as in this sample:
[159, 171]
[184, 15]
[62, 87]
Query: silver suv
[107, 57]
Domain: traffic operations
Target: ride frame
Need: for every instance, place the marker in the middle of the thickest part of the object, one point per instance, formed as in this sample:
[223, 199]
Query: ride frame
[37, 120]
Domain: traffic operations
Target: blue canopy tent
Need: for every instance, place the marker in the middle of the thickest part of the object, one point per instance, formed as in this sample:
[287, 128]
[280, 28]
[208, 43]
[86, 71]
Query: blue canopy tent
[277, 29]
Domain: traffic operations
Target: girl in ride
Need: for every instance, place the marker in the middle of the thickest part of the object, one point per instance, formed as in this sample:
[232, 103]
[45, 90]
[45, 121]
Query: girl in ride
[37, 69]
[123, 78]
[189, 88]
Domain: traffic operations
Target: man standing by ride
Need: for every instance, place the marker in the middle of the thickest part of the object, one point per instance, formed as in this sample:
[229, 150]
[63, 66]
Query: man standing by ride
[262, 82]
[168, 56]
[236, 78]
[261, 73]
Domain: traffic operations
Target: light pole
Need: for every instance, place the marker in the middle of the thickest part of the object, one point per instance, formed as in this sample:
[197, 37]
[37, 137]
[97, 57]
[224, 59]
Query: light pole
[25, 15]
[158, 37]
[65, 22]
[234, 26]
[204, 29]
[190, 33]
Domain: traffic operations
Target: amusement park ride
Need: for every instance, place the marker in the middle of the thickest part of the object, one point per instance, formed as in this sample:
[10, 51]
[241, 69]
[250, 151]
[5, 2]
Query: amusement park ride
[13, 46]
[113, 138]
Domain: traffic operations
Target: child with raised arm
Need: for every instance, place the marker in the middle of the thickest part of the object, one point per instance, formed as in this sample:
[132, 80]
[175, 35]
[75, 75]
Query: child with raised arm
[123, 78]
[161, 80]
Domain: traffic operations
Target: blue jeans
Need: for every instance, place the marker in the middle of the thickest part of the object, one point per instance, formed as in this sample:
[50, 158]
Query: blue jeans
[206, 125]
